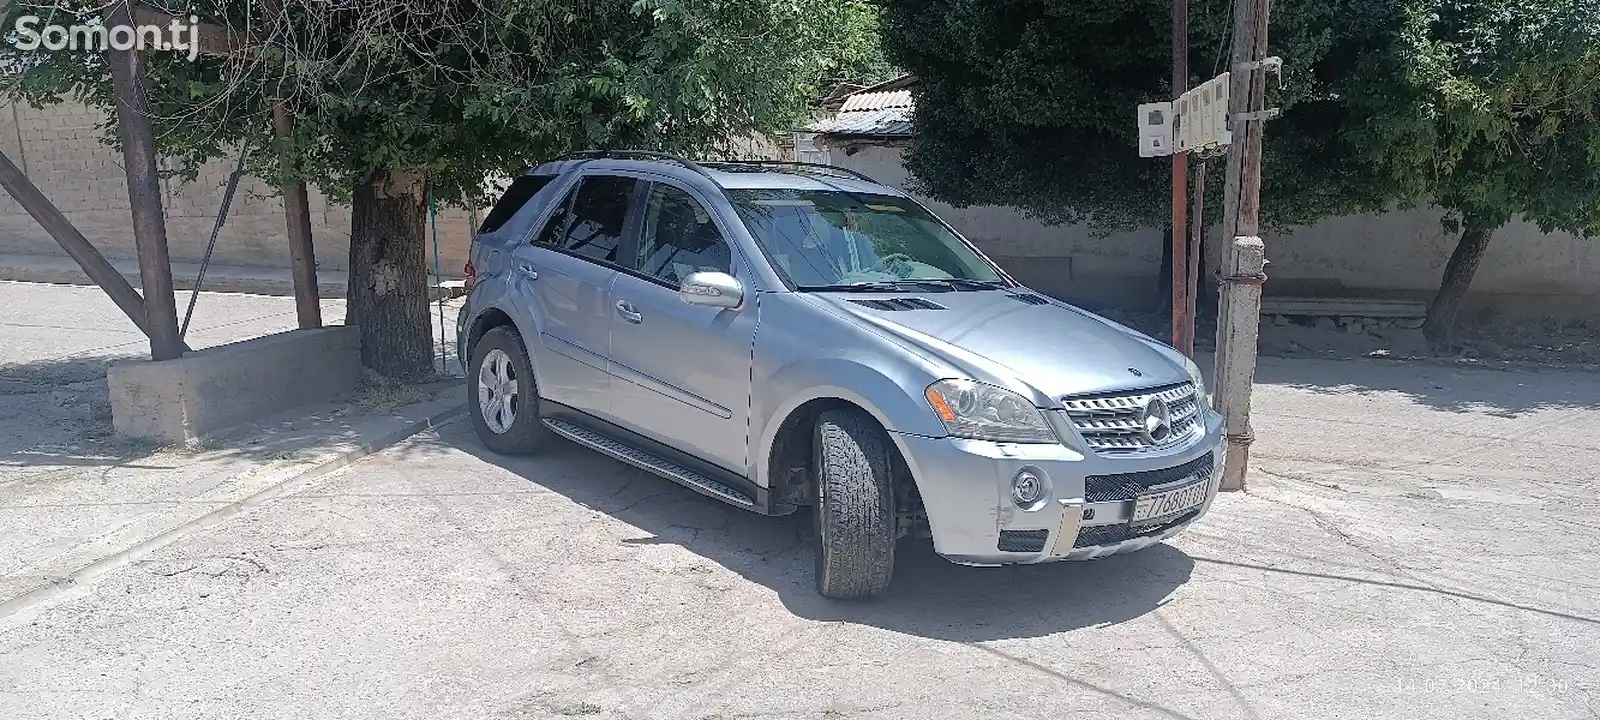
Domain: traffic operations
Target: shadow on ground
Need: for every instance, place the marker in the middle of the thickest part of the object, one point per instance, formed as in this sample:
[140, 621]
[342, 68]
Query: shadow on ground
[930, 597]
[1451, 388]
[57, 413]
[1533, 368]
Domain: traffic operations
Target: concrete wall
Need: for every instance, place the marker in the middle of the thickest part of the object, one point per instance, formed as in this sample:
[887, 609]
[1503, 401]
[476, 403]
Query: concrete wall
[1399, 254]
[217, 388]
[60, 149]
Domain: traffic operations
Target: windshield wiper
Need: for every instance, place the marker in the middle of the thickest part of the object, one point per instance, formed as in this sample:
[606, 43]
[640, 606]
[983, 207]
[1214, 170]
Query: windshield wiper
[969, 283]
[873, 286]
[940, 284]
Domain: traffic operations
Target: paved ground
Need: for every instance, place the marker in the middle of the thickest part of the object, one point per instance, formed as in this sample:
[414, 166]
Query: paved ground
[54, 407]
[74, 500]
[1417, 542]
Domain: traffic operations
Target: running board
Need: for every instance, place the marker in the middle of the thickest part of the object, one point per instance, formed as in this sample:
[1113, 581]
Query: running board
[646, 461]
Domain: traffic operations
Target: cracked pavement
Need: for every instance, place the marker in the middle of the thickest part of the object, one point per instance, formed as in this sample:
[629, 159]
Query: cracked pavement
[1416, 542]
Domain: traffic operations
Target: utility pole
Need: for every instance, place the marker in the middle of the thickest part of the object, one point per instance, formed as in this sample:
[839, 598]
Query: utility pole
[49, 217]
[297, 214]
[296, 206]
[1243, 270]
[1182, 316]
[144, 193]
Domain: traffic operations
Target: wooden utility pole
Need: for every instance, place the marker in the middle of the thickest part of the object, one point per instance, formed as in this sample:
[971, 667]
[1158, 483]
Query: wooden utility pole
[1243, 269]
[49, 217]
[297, 215]
[1197, 238]
[296, 205]
[144, 193]
[1182, 315]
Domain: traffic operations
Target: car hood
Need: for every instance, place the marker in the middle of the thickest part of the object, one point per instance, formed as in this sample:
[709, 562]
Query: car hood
[1051, 347]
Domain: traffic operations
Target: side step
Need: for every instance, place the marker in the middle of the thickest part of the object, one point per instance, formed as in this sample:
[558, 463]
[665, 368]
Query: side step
[646, 461]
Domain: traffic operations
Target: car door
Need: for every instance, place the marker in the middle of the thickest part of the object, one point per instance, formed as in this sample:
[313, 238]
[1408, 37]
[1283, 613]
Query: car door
[565, 275]
[682, 371]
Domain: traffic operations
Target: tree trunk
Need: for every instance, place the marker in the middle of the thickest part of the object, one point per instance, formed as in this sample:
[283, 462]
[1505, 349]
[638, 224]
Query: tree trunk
[1439, 328]
[388, 291]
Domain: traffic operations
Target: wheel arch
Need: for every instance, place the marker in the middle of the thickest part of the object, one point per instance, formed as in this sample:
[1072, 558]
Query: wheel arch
[481, 323]
[786, 445]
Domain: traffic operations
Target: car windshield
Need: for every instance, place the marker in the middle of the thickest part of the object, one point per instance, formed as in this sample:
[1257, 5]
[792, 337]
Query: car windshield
[833, 239]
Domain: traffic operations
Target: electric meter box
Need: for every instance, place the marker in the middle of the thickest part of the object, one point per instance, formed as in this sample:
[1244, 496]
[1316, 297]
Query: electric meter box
[1155, 129]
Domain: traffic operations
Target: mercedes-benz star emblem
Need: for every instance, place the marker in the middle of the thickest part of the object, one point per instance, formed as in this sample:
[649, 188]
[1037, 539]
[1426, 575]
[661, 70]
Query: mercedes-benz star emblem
[1155, 421]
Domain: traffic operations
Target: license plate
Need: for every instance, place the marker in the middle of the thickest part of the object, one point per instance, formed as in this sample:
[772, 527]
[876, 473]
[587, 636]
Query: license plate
[1170, 502]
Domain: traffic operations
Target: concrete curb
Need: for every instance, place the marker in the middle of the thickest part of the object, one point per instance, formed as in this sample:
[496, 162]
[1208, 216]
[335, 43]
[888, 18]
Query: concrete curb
[297, 481]
[180, 281]
[332, 285]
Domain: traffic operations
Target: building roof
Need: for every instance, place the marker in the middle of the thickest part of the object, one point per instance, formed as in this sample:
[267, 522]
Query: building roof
[883, 110]
[888, 122]
[864, 101]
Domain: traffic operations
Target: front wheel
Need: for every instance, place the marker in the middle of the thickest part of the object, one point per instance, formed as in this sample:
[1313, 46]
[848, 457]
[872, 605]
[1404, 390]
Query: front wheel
[854, 514]
[503, 397]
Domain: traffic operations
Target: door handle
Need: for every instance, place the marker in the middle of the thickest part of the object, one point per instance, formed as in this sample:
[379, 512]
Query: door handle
[627, 311]
[528, 271]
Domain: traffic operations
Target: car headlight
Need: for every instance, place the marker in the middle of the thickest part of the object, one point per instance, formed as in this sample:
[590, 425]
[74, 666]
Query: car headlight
[985, 412]
[1199, 381]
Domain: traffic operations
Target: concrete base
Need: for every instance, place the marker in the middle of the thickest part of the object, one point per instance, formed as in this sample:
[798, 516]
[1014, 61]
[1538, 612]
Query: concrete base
[216, 388]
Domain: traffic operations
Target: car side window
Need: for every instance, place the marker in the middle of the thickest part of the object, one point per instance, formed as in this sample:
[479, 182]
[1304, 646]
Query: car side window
[679, 238]
[521, 191]
[595, 223]
[555, 230]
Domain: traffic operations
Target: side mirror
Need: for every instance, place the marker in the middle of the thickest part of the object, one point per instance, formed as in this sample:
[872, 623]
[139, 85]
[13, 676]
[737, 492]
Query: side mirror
[712, 289]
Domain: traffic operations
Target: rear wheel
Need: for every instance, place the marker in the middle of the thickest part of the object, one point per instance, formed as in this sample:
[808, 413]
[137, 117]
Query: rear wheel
[854, 514]
[503, 395]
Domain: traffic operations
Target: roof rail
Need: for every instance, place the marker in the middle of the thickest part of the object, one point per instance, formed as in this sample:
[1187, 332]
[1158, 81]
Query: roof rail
[634, 155]
[835, 169]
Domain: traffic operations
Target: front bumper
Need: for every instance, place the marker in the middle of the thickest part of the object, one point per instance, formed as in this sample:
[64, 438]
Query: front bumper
[966, 490]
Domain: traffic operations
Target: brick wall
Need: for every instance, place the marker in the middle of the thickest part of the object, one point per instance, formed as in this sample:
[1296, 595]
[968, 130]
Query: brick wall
[60, 149]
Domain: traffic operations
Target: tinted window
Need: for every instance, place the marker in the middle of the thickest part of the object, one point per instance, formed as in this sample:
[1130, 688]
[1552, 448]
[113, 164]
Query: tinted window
[556, 229]
[679, 237]
[521, 190]
[595, 228]
[829, 237]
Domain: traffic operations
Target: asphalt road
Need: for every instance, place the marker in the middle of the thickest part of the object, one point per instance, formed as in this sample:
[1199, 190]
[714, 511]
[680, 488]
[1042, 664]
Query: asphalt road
[1417, 542]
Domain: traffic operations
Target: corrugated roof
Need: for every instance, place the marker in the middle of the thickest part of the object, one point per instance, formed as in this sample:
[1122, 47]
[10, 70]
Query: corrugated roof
[877, 101]
[895, 121]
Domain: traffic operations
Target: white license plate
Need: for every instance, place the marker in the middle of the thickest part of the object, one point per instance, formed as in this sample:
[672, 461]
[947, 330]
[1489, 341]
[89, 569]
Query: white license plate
[1170, 502]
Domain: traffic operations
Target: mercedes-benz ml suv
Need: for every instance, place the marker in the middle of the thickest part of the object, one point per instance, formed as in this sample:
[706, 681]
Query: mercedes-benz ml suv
[781, 336]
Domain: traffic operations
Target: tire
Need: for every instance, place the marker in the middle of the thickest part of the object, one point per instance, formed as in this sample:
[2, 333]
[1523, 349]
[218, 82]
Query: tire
[854, 515]
[513, 429]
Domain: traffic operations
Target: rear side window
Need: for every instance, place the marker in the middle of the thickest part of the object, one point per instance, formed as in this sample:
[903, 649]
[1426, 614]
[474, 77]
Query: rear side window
[555, 231]
[594, 227]
[522, 189]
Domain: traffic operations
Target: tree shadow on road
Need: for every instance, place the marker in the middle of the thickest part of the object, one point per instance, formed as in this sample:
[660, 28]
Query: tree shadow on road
[1506, 393]
[56, 413]
[60, 408]
[930, 597]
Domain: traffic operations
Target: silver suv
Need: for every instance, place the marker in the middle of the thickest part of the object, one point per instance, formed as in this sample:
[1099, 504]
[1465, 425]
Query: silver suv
[782, 335]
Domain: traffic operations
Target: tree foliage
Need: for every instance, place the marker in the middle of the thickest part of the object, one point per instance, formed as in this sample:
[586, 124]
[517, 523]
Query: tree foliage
[1485, 108]
[1030, 103]
[400, 100]
[457, 89]
[1488, 108]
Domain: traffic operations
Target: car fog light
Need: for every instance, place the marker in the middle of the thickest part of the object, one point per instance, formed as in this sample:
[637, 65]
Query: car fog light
[1026, 488]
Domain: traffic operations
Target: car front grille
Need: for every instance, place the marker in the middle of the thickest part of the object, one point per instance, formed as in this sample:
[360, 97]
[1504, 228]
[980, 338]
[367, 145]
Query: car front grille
[1115, 423]
[1113, 534]
[1127, 486]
